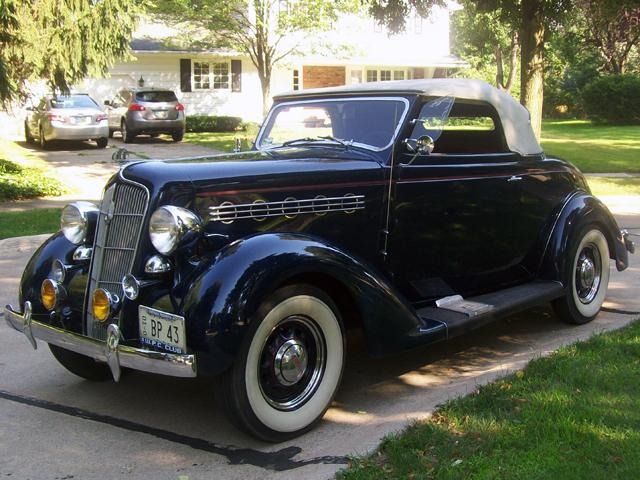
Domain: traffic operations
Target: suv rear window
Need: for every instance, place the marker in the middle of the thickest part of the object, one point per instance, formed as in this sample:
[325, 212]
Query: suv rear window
[156, 96]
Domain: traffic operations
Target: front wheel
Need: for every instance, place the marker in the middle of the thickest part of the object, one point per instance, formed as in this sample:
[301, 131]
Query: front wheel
[27, 133]
[588, 278]
[102, 142]
[81, 365]
[127, 135]
[289, 365]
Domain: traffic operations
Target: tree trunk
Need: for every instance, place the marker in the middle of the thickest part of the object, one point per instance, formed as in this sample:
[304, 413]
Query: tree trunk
[532, 56]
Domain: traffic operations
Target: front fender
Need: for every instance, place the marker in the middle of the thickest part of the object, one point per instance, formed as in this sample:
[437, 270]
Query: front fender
[222, 299]
[39, 267]
[582, 209]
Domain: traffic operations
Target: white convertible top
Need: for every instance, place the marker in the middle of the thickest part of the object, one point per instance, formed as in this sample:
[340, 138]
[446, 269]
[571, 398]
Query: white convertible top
[516, 122]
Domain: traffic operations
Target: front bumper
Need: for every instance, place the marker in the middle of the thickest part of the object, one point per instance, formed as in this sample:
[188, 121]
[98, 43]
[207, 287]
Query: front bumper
[110, 352]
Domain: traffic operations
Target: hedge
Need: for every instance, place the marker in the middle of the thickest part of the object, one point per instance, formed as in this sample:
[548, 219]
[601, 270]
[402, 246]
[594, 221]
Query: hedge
[613, 99]
[209, 123]
[18, 182]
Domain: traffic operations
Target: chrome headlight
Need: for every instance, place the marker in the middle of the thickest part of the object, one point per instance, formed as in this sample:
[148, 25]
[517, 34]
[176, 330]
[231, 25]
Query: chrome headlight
[78, 220]
[170, 225]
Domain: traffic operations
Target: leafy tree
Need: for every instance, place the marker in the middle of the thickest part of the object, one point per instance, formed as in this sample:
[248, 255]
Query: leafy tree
[266, 30]
[484, 39]
[530, 18]
[613, 28]
[60, 41]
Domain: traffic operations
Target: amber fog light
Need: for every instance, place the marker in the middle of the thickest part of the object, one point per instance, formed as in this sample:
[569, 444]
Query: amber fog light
[101, 304]
[49, 293]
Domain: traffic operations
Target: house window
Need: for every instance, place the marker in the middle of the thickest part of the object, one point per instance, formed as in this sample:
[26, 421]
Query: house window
[220, 75]
[201, 77]
[356, 76]
[211, 75]
[385, 75]
[296, 79]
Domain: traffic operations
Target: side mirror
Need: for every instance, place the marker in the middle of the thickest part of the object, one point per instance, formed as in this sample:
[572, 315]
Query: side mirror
[422, 145]
[107, 103]
[425, 145]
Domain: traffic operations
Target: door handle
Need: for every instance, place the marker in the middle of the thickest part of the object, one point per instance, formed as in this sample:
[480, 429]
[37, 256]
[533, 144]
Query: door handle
[514, 178]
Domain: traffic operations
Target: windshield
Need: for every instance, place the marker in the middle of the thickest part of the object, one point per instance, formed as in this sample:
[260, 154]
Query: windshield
[73, 101]
[367, 122]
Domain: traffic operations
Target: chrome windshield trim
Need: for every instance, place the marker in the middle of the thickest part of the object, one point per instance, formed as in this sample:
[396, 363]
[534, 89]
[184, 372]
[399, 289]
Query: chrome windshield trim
[110, 352]
[365, 146]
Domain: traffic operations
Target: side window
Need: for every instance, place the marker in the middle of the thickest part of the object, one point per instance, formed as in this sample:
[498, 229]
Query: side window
[468, 127]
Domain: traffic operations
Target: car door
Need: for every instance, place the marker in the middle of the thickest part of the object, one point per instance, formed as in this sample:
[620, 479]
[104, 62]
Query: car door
[36, 116]
[463, 216]
[116, 110]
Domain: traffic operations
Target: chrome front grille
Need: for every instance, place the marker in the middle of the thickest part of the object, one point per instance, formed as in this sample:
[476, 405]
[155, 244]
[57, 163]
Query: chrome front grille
[118, 231]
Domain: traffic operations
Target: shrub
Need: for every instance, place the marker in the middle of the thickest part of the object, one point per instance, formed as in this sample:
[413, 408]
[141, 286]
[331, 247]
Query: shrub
[613, 99]
[209, 123]
[18, 182]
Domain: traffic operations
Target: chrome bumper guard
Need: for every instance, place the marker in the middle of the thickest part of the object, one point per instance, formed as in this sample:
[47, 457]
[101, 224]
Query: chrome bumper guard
[110, 352]
[628, 243]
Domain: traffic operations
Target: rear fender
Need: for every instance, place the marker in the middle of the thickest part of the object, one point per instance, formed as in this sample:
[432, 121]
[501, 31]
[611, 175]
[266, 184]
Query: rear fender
[222, 299]
[582, 209]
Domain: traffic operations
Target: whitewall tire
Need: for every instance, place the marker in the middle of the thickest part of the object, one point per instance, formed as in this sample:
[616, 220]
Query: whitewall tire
[289, 366]
[587, 278]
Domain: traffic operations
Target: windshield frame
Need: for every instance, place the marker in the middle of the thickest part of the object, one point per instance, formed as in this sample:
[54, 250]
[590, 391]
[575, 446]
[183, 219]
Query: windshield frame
[275, 107]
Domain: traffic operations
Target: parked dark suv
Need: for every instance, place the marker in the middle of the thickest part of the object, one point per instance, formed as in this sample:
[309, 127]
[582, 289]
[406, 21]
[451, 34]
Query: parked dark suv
[135, 111]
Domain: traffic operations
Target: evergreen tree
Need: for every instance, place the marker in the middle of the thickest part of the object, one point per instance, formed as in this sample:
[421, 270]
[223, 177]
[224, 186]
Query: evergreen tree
[61, 41]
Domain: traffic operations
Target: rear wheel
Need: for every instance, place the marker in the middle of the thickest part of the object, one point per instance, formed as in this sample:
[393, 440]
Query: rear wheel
[102, 142]
[80, 365]
[127, 135]
[289, 365]
[588, 277]
[177, 136]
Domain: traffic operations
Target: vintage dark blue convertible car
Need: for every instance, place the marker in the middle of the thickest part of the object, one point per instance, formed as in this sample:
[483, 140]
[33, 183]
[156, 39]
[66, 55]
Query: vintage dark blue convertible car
[414, 210]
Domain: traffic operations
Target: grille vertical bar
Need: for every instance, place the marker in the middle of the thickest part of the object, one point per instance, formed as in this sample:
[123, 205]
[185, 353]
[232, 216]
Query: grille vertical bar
[118, 231]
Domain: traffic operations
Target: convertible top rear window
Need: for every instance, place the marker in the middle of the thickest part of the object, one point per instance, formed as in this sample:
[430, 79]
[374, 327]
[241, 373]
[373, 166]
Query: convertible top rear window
[466, 127]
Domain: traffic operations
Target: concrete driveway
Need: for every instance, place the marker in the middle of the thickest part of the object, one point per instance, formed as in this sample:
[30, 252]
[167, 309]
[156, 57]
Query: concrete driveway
[57, 426]
[85, 169]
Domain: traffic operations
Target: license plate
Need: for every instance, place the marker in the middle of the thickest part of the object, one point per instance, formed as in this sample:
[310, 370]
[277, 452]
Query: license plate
[161, 113]
[161, 329]
[80, 120]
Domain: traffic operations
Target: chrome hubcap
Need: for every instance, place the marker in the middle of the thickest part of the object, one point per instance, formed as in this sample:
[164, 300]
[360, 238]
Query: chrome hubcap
[588, 274]
[291, 362]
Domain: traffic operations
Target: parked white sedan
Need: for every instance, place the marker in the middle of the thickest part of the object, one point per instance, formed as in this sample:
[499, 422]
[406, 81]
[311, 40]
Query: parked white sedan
[66, 117]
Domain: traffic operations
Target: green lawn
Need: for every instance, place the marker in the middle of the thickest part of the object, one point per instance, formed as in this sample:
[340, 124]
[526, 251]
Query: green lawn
[593, 148]
[225, 142]
[601, 186]
[573, 415]
[30, 222]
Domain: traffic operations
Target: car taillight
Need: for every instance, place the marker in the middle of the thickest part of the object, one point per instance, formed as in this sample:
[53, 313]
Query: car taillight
[179, 106]
[100, 117]
[136, 107]
[56, 118]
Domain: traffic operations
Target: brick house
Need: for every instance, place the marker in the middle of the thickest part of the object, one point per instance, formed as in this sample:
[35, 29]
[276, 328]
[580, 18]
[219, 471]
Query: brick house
[226, 83]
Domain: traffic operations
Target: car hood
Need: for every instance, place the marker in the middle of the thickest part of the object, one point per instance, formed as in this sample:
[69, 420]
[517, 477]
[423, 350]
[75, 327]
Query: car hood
[252, 170]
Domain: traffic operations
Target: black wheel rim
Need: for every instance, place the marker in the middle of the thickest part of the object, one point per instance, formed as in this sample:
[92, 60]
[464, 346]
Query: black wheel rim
[588, 273]
[292, 363]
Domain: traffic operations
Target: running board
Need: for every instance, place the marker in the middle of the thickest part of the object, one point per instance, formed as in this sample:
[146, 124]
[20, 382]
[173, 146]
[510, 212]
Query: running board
[441, 323]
